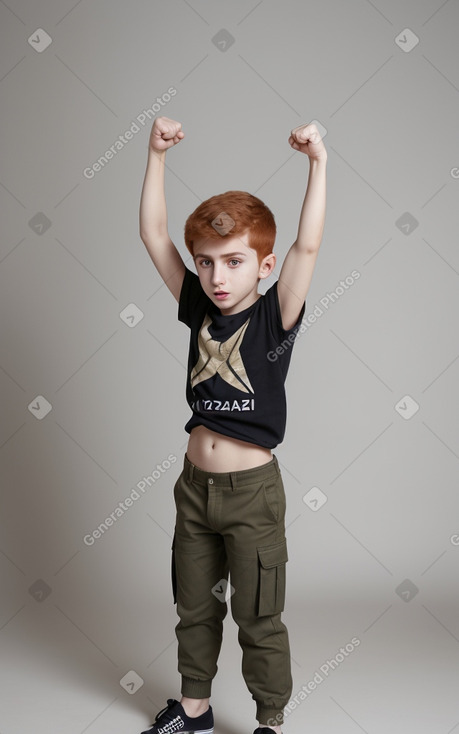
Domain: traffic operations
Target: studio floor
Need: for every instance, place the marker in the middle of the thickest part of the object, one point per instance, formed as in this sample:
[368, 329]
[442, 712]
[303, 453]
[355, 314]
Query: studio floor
[398, 673]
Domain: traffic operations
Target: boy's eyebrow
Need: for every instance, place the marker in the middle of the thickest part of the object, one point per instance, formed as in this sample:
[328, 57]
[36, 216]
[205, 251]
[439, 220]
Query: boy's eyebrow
[226, 254]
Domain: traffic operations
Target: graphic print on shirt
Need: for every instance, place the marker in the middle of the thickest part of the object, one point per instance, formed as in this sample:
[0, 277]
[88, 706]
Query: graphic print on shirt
[223, 358]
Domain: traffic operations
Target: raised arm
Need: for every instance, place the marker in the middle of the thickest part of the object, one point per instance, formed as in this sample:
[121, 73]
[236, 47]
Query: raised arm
[153, 212]
[296, 273]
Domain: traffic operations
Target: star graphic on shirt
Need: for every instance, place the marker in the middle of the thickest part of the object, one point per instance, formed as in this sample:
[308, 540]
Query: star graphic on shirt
[223, 358]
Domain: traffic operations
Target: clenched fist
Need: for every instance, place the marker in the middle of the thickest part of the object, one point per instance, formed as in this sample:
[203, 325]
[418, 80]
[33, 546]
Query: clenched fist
[306, 139]
[165, 133]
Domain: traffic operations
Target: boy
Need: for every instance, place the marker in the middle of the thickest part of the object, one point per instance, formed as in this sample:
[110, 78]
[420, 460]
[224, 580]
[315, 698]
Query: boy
[229, 497]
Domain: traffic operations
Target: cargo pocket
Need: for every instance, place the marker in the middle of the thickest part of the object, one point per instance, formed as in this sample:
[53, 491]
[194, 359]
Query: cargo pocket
[173, 572]
[272, 560]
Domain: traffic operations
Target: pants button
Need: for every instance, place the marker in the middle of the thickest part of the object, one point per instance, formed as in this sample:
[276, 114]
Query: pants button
[211, 481]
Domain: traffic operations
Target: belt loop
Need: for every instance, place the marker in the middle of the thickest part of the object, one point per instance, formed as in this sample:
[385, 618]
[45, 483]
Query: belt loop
[233, 479]
[276, 463]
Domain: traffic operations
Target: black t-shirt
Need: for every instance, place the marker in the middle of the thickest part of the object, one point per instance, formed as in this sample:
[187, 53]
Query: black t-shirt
[237, 376]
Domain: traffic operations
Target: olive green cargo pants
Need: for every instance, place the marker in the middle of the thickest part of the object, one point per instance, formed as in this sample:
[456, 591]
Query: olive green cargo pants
[230, 527]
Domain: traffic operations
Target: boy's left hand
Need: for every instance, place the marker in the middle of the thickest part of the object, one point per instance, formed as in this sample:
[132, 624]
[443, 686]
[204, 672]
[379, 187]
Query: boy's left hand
[306, 139]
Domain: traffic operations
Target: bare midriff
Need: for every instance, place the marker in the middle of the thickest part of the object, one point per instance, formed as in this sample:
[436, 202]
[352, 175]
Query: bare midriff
[215, 452]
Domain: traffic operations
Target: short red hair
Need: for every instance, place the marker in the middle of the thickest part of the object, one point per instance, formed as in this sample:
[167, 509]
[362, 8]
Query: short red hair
[249, 214]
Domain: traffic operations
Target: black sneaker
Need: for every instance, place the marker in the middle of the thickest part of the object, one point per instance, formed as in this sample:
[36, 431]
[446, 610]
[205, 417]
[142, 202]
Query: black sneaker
[263, 730]
[173, 718]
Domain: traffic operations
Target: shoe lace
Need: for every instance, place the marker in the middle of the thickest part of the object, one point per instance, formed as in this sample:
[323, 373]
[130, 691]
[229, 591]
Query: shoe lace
[165, 712]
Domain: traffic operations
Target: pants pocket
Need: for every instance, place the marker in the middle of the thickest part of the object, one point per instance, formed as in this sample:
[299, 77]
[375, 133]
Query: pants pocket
[274, 497]
[174, 572]
[272, 560]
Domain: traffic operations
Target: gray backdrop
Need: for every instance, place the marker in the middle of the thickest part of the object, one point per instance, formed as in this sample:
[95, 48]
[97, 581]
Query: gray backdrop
[92, 368]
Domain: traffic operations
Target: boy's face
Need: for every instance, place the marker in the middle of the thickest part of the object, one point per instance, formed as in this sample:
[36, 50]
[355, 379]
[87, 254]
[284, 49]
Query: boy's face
[229, 271]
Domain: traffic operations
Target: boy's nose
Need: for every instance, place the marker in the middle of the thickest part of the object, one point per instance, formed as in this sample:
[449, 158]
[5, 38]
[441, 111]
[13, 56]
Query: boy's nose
[217, 276]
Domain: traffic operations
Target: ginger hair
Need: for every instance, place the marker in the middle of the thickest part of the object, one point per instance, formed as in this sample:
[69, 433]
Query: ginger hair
[249, 213]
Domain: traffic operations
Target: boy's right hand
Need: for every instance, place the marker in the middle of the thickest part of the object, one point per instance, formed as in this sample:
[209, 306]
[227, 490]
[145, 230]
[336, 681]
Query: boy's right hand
[165, 133]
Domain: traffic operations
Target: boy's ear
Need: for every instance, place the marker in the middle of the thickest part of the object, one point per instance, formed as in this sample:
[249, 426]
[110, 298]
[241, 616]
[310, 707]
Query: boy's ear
[267, 265]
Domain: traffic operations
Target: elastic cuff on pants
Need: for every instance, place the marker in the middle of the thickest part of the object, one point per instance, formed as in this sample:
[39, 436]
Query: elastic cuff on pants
[193, 688]
[273, 717]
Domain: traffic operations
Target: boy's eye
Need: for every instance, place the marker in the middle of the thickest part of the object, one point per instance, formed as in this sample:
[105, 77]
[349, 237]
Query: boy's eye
[233, 262]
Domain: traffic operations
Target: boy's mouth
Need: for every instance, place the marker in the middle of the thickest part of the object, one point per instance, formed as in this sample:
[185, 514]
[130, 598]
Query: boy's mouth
[221, 295]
